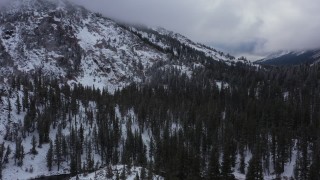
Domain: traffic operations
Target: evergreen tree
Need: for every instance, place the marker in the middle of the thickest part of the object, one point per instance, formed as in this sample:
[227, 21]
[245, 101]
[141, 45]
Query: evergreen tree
[57, 149]
[109, 173]
[143, 174]
[34, 144]
[2, 150]
[25, 100]
[20, 163]
[6, 156]
[226, 164]
[301, 170]
[64, 147]
[150, 174]
[242, 164]
[214, 165]
[117, 175]
[151, 148]
[9, 109]
[50, 156]
[19, 153]
[90, 160]
[314, 172]
[123, 175]
[73, 165]
[255, 169]
[137, 177]
[18, 104]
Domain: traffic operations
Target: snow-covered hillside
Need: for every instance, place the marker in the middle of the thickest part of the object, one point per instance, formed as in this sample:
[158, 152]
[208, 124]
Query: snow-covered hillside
[162, 37]
[67, 41]
[14, 130]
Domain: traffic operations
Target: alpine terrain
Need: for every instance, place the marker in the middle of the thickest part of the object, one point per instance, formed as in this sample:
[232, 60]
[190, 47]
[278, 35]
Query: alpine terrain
[68, 42]
[291, 58]
[85, 97]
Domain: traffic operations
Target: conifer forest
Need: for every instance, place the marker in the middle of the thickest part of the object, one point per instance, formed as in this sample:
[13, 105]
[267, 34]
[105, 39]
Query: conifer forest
[255, 121]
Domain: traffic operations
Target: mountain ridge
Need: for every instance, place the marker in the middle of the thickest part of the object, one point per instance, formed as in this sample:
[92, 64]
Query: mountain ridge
[291, 57]
[66, 40]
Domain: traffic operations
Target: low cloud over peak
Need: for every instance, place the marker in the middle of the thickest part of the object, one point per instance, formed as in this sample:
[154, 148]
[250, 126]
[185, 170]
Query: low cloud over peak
[268, 25]
[251, 26]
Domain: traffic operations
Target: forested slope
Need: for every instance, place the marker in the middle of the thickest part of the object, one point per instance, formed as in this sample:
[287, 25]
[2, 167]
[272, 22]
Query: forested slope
[258, 123]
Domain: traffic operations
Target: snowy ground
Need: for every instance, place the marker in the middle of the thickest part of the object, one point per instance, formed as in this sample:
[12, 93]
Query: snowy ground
[103, 173]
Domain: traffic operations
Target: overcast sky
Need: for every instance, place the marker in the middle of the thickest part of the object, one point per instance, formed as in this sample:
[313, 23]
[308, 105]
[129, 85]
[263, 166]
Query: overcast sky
[246, 26]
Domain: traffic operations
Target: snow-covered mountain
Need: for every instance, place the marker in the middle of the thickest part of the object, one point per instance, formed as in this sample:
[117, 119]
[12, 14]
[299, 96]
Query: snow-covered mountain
[64, 40]
[49, 128]
[291, 57]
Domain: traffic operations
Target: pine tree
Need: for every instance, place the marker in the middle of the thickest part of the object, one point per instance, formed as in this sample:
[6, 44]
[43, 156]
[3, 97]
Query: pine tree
[9, 108]
[90, 160]
[27, 122]
[314, 173]
[109, 173]
[81, 136]
[242, 165]
[64, 147]
[301, 170]
[214, 165]
[143, 174]
[19, 153]
[2, 149]
[57, 149]
[123, 175]
[25, 100]
[150, 174]
[6, 156]
[117, 175]
[226, 171]
[18, 104]
[34, 144]
[255, 169]
[50, 156]
[151, 149]
[73, 165]
[137, 177]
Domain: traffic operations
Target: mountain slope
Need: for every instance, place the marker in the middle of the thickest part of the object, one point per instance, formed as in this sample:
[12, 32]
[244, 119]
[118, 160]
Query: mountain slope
[63, 40]
[68, 41]
[291, 57]
[59, 41]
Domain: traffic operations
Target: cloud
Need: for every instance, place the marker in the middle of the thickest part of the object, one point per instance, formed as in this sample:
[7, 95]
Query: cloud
[268, 25]
[3, 2]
